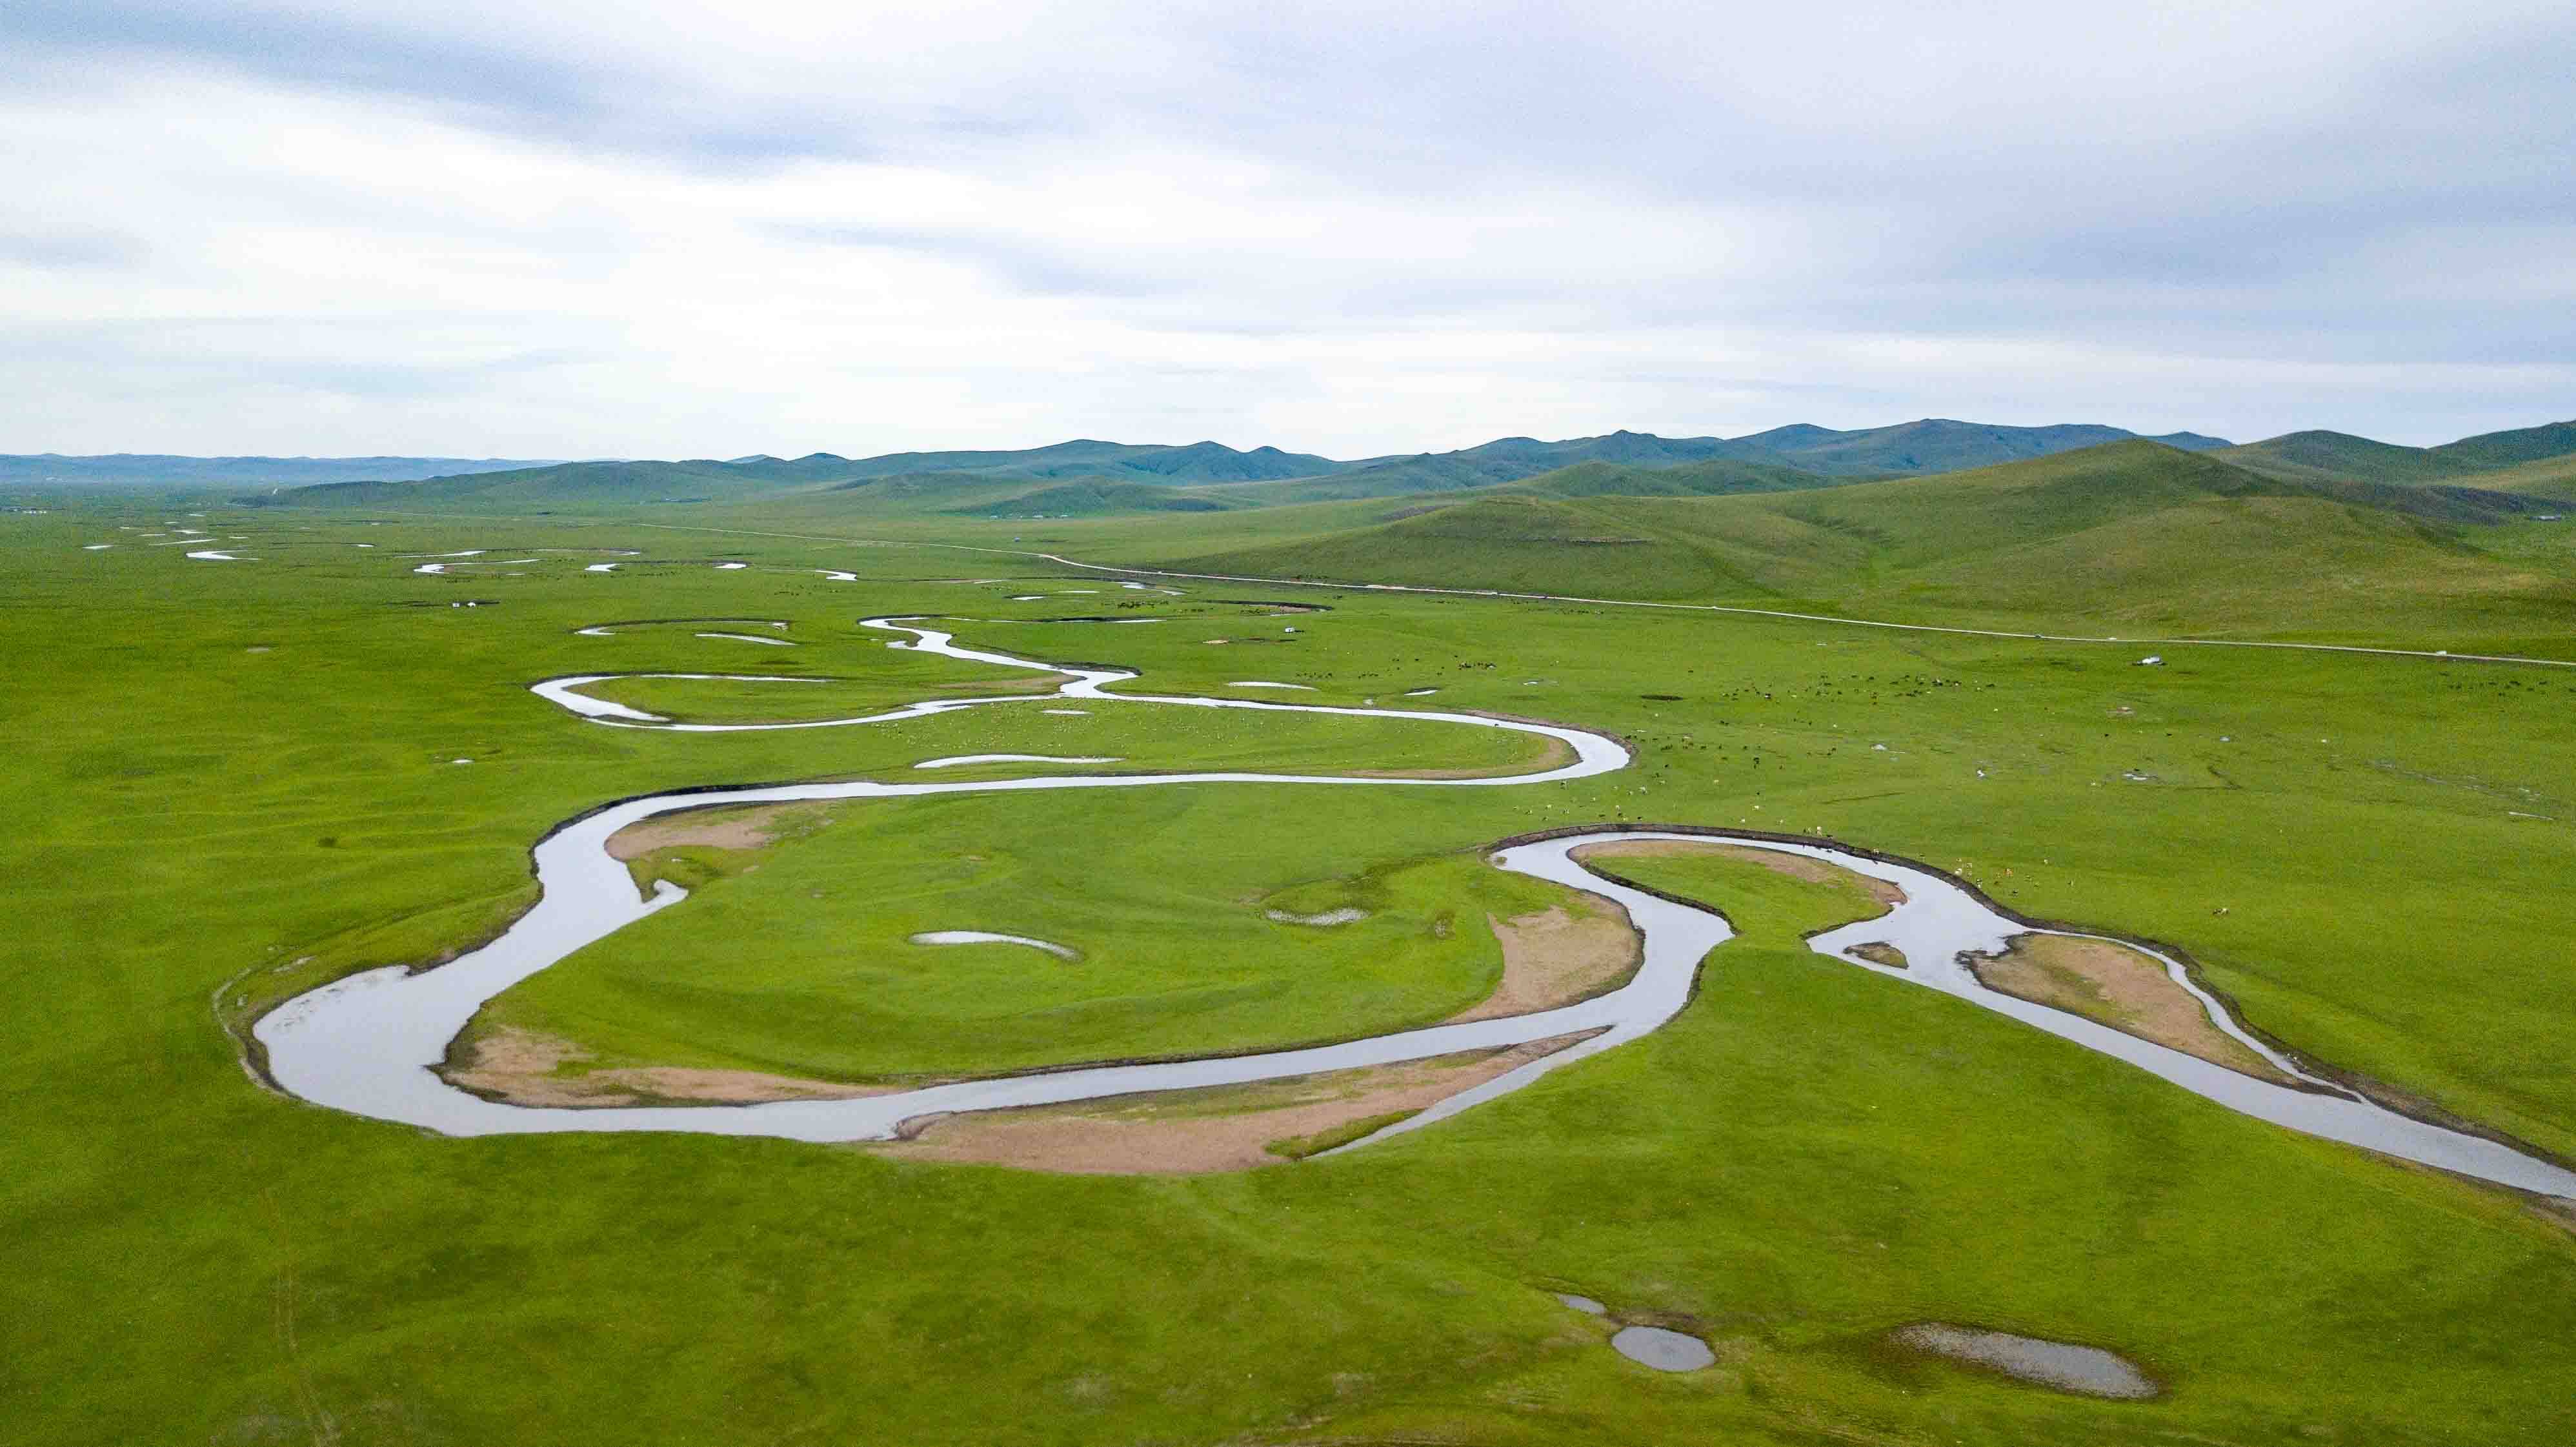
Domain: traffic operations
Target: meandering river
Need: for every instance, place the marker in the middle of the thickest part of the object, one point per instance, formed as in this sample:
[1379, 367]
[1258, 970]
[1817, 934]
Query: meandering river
[368, 1044]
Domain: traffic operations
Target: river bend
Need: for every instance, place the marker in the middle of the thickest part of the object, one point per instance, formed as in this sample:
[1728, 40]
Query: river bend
[369, 1043]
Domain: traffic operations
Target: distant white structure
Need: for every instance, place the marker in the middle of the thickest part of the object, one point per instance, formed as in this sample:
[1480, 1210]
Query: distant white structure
[2152, 660]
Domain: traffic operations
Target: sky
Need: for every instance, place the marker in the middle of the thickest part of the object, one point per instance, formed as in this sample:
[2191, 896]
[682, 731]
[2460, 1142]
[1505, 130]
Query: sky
[665, 228]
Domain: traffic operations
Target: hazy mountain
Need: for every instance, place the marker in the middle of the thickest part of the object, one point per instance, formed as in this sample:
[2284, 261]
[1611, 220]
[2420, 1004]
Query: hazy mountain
[568, 484]
[1937, 444]
[1504, 460]
[1263, 475]
[1196, 462]
[1717, 477]
[140, 469]
[1799, 455]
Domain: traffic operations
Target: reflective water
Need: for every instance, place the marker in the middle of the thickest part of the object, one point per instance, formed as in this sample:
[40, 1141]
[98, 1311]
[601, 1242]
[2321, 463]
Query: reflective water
[2063, 1365]
[1665, 1351]
[987, 937]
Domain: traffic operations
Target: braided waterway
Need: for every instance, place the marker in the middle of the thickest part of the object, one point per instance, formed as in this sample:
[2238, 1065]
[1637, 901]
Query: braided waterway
[369, 1044]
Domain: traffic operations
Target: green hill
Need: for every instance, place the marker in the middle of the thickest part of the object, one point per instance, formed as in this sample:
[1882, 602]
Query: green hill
[1513, 542]
[1492, 464]
[2510, 449]
[1089, 477]
[1196, 462]
[570, 485]
[2314, 456]
[1715, 478]
[1937, 444]
[574, 484]
[2550, 480]
[1223, 477]
[1396, 477]
[2130, 534]
[1084, 497]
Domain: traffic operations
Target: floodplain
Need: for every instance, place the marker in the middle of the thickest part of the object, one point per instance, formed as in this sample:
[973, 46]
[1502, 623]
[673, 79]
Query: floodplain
[325, 762]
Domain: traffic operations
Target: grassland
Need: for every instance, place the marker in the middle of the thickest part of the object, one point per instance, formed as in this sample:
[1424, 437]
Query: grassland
[233, 779]
[804, 967]
[2126, 537]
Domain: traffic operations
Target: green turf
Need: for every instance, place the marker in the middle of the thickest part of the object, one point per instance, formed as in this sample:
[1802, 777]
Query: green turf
[1806, 1158]
[805, 967]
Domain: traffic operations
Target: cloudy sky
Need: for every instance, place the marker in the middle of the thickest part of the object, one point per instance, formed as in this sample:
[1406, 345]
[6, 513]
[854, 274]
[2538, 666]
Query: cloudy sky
[679, 227]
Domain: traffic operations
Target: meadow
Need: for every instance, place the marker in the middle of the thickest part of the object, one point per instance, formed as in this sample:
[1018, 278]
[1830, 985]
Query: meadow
[235, 780]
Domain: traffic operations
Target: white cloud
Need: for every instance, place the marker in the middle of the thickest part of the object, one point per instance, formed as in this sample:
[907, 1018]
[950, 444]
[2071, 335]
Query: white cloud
[689, 229]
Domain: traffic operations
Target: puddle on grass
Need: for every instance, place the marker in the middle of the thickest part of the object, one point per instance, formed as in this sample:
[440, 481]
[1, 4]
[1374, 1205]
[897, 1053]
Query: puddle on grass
[2089, 1371]
[1665, 1351]
[988, 937]
[1583, 1304]
[1327, 919]
[954, 760]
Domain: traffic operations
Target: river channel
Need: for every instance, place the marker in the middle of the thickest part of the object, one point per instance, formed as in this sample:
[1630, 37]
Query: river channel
[368, 1044]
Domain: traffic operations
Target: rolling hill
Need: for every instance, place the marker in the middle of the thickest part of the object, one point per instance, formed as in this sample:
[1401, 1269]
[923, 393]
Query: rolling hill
[2127, 534]
[1194, 463]
[1909, 448]
[1717, 477]
[2550, 481]
[2521, 445]
[1937, 444]
[1222, 476]
[565, 486]
[1077, 497]
[2311, 456]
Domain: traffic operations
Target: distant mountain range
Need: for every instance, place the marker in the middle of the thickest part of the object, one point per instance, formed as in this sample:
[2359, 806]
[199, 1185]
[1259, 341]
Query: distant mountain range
[1911, 449]
[145, 469]
[1088, 475]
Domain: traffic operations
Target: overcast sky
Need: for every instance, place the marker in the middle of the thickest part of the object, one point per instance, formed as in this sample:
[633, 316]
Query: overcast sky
[682, 228]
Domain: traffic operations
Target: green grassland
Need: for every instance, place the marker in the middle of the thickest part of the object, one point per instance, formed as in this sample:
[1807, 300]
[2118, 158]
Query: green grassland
[2551, 478]
[232, 780]
[803, 967]
[2130, 534]
[2130, 538]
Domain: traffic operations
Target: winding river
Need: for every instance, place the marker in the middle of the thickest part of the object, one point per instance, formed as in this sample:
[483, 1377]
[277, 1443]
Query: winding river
[368, 1044]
